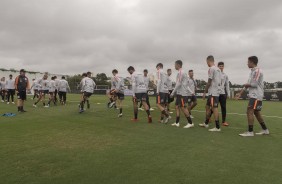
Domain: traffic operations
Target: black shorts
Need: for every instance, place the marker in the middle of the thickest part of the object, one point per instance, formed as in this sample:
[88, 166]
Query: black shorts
[120, 96]
[192, 99]
[141, 97]
[213, 101]
[181, 101]
[35, 91]
[87, 94]
[255, 104]
[21, 95]
[170, 99]
[11, 91]
[162, 98]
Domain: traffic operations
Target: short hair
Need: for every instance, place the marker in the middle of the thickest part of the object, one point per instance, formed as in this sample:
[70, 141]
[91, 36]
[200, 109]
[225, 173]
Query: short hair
[114, 71]
[190, 70]
[84, 75]
[130, 68]
[10, 75]
[179, 62]
[52, 78]
[22, 70]
[210, 58]
[88, 73]
[145, 70]
[168, 70]
[253, 59]
[160, 65]
[220, 63]
[63, 77]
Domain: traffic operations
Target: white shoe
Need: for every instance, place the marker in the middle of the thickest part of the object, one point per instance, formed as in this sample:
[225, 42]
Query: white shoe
[263, 132]
[34, 105]
[167, 119]
[120, 115]
[215, 129]
[192, 117]
[247, 134]
[170, 112]
[2, 100]
[140, 109]
[151, 109]
[112, 104]
[175, 124]
[204, 125]
[189, 125]
[13, 102]
[47, 106]
[8, 103]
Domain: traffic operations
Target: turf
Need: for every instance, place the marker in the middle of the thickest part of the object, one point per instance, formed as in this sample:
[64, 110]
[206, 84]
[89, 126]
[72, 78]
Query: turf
[60, 146]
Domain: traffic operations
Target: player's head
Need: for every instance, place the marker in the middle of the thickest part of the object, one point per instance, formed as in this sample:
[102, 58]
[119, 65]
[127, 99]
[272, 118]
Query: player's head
[22, 72]
[145, 71]
[84, 75]
[88, 74]
[33, 79]
[45, 76]
[178, 64]
[169, 72]
[210, 60]
[114, 72]
[10, 76]
[159, 66]
[52, 78]
[130, 69]
[63, 77]
[191, 73]
[220, 65]
[55, 77]
[252, 61]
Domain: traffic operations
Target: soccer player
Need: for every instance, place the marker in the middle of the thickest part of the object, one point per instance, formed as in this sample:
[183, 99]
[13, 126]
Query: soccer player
[139, 93]
[43, 90]
[10, 85]
[21, 86]
[181, 90]
[63, 88]
[169, 86]
[147, 82]
[162, 93]
[119, 90]
[87, 89]
[56, 90]
[256, 92]
[52, 89]
[112, 94]
[192, 99]
[213, 88]
[3, 89]
[35, 87]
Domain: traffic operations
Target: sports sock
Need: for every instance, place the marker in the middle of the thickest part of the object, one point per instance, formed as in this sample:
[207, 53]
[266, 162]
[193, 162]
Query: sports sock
[189, 120]
[165, 113]
[263, 126]
[177, 119]
[82, 105]
[148, 112]
[251, 128]
[120, 110]
[135, 115]
[217, 124]
[207, 121]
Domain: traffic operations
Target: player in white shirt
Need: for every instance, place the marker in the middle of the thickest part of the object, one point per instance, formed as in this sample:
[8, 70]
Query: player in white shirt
[52, 89]
[87, 89]
[147, 82]
[63, 88]
[10, 86]
[170, 89]
[139, 93]
[118, 83]
[56, 90]
[3, 89]
[162, 93]
[43, 90]
[192, 98]
[35, 87]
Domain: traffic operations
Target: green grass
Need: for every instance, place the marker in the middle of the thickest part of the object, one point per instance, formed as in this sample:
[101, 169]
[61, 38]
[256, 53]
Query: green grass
[60, 146]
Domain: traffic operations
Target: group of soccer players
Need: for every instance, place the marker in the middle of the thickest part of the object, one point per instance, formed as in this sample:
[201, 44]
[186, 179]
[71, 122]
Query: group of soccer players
[217, 91]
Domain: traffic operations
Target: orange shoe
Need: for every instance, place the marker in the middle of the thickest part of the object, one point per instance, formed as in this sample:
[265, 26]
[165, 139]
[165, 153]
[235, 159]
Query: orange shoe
[134, 120]
[150, 119]
[225, 124]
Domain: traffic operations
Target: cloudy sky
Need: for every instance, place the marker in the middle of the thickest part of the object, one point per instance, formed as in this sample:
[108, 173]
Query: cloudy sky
[72, 36]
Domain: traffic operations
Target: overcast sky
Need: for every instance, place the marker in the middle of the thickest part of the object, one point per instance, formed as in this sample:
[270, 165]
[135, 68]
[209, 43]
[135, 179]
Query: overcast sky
[73, 36]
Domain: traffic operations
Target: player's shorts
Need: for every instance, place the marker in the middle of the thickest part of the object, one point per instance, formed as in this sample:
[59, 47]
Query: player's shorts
[213, 101]
[170, 99]
[192, 99]
[162, 98]
[120, 96]
[21, 95]
[51, 92]
[141, 97]
[87, 94]
[181, 101]
[11, 91]
[45, 92]
[255, 104]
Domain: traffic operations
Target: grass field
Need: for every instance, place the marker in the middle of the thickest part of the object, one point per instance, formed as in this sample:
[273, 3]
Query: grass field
[60, 146]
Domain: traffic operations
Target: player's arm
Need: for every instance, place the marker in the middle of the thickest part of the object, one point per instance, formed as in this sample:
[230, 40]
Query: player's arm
[16, 83]
[227, 87]
[207, 87]
[133, 86]
[118, 84]
[158, 82]
[177, 85]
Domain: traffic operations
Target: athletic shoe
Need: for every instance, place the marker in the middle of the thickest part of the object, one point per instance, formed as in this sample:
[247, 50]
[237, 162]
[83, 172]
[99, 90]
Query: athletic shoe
[170, 112]
[81, 111]
[151, 109]
[192, 117]
[47, 106]
[134, 120]
[175, 124]
[161, 121]
[112, 104]
[120, 115]
[215, 129]
[167, 119]
[108, 104]
[2, 100]
[263, 132]
[247, 134]
[13, 102]
[225, 124]
[150, 119]
[8, 103]
[204, 125]
[34, 105]
[140, 109]
[189, 125]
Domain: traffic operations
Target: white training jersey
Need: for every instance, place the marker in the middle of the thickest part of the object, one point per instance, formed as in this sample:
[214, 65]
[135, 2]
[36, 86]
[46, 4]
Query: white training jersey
[63, 86]
[52, 86]
[257, 86]
[169, 83]
[162, 79]
[215, 75]
[224, 85]
[118, 84]
[57, 83]
[147, 82]
[87, 85]
[3, 85]
[181, 87]
[192, 85]
[45, 85]
[138, 83]
[10, 84]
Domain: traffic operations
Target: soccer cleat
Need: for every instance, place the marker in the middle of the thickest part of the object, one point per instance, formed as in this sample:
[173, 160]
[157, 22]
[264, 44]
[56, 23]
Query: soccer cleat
[161, 121]
[13, 102]
[46, 106]
[8, 103]
[134, 120]
[151, 109]
[140, 109]
[170, 112]
[34, 105]
[150, 119]
[167, 119]
[112, 104]
[120, 115]
[175, 124]
[81, 111]
[215, 129]
[192, 117]
[2, 101]
[204, 125]
[247, 134]
[189, 125]
[225, 124]
[263, 132]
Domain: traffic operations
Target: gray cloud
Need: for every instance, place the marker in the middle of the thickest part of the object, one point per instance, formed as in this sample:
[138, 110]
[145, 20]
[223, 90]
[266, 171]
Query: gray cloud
[71, 36]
